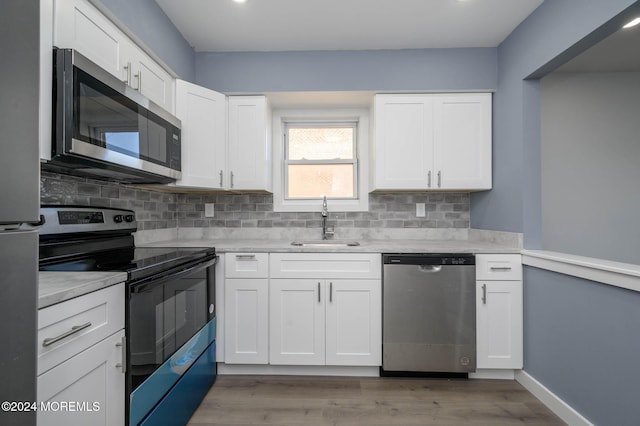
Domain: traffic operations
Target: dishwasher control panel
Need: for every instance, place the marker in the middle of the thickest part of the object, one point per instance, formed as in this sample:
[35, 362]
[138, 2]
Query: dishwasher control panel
[428, 259]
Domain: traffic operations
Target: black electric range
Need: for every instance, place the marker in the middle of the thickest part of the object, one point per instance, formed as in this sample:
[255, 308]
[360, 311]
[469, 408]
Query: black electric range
[170, 316]
[79, 238]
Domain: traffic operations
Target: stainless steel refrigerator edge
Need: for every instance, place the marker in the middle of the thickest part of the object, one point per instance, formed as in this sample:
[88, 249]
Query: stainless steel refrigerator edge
[19, 203]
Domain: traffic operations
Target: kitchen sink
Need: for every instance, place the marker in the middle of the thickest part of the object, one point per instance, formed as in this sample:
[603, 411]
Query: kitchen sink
[325, 243]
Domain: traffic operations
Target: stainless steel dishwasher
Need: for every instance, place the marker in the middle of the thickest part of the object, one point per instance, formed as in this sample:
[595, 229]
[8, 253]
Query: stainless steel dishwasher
[429, 313]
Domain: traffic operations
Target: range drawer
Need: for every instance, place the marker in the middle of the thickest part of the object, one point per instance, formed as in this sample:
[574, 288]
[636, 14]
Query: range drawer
[70, 327]
[246, 265]
[500, 267]
[326, 265]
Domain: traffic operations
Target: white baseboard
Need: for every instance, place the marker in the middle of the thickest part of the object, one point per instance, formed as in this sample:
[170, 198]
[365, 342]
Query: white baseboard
[297, 370]
[493, 374]
[551, 400]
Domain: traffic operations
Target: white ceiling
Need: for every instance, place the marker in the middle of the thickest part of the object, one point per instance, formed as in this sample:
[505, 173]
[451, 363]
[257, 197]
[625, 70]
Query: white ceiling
[281, 25]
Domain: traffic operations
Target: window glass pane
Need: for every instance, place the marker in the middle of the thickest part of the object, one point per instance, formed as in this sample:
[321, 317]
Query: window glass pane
[320, 143]
[316, 180]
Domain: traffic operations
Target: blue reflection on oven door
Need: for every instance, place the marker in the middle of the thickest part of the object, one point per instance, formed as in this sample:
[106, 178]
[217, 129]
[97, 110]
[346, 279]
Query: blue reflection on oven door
[152, 390]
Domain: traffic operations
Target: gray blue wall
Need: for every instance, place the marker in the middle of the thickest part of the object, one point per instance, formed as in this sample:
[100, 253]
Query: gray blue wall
[581, 342]
[383, 70]
[579, 335]
[150, 24]
[551, 31]
[590, 152]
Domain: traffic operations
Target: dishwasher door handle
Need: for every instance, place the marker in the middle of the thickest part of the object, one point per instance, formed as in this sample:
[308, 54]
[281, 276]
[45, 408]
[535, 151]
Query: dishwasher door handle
[430, 268]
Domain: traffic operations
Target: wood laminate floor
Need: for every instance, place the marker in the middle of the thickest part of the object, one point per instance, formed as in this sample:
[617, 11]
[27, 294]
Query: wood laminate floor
[315, 401]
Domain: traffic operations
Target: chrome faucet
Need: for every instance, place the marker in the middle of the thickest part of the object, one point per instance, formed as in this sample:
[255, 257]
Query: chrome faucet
[327, 231]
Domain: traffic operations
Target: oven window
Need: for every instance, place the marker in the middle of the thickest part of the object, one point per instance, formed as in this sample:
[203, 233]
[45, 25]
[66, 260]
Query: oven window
[164, 317]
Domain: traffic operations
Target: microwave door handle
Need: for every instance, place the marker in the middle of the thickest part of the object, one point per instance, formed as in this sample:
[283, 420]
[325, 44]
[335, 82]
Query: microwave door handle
[159, 279]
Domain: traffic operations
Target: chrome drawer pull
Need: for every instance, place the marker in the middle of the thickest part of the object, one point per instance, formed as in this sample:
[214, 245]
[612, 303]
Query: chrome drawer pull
[245, 256]
[500, 268]
[484, 294]
[75, 329]
[123, 346]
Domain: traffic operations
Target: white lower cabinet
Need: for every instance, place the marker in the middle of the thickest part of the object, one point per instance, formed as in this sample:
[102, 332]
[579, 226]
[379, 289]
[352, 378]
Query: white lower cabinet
[325, 322]
[91, 384]
[499, 312]
[325, 309]
[246, 321]
[81, 352]
[246, 308]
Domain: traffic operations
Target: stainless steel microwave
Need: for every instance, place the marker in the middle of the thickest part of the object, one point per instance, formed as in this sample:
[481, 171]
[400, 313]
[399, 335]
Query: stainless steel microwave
[106, 129]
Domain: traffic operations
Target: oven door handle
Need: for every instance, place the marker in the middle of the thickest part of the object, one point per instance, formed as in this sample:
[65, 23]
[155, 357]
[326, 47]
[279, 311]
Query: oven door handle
[158, 279]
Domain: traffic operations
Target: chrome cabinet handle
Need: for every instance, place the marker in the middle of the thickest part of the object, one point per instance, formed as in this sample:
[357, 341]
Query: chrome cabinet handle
[484, 294]
[439, 178]
[429, 179]
[245, 256]
[500, 268]
[330, 292]
[139, 77]
[318, 291]
[128, 70]
[123, 347]
[231, 181]
[221, 178]
[75, 329]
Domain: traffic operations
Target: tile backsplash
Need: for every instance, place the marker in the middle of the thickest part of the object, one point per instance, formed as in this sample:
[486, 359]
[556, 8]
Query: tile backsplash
[160, 210]
[154, 209]
[443, 210]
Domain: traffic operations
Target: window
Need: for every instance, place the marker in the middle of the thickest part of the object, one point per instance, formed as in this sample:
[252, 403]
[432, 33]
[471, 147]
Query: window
[318, 153]
[320, 159]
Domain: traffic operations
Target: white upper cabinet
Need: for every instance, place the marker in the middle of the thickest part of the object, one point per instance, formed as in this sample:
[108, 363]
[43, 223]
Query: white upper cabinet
[79, 25]
[147, 77]
[249, 147]
[403, 142]
[204, 123]
[226, 141]
[462, 135]
[432, 142]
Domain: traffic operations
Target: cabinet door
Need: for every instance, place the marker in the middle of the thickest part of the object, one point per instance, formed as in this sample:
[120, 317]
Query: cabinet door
[203, 115]
[296, 326]
[462, 141]
[247, 321]
[151, 80]
[403, 142]
[354, 322]
[93, 379]
[499, 324]
[249, 143]
[80, 26]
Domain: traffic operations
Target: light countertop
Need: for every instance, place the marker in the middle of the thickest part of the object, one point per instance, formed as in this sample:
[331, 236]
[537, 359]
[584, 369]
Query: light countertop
[56, 287]
[366, 246]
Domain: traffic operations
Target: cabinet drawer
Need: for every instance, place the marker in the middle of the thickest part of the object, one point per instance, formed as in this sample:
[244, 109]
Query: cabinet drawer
[95, 315]
[499, 267]
[246, 265]
[326, 265]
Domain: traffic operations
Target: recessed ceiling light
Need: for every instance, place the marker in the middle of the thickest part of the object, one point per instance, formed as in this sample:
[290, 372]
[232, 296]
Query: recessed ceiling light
[240, 1]
[632, 23]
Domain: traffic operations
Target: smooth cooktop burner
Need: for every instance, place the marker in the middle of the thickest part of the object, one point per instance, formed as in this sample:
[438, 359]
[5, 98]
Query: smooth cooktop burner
[137, 262]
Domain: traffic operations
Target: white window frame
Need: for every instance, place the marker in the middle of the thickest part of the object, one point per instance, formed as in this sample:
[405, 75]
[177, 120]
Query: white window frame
[288, 124]
[318, 117]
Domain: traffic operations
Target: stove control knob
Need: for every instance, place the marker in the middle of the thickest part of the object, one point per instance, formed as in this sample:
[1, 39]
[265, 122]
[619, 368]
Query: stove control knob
[118, 218]
[129, 218]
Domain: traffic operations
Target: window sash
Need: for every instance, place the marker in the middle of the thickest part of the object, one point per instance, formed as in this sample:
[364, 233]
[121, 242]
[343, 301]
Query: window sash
[328, 124]
[320, 162]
